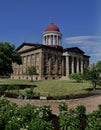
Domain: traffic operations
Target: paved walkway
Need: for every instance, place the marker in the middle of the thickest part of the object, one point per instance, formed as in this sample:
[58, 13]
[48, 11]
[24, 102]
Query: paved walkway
[91, 103]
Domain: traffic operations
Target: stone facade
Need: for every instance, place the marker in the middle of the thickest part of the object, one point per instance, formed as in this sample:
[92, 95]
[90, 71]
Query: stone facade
[50, 59]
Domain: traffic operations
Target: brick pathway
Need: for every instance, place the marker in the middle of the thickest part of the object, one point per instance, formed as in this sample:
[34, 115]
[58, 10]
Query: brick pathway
[91, 103]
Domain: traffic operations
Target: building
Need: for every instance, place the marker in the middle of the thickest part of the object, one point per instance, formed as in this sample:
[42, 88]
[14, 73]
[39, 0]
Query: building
[51, 60]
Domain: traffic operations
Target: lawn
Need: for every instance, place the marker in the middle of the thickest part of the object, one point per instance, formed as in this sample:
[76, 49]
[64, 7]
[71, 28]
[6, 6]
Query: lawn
[52, 87]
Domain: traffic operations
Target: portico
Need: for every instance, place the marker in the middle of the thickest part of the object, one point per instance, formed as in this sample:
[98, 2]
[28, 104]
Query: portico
[75, 62]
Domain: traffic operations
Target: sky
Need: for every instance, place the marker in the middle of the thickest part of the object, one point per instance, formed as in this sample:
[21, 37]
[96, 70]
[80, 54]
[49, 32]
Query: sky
[78, 20]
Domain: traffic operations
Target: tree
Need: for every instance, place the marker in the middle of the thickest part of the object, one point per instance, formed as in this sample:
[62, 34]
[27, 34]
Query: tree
[92, 74]
[98, 66]
[8, 54]
[31, 71]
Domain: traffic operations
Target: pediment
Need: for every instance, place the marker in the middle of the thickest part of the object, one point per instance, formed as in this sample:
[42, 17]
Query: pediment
[25, 46]
[74, 49]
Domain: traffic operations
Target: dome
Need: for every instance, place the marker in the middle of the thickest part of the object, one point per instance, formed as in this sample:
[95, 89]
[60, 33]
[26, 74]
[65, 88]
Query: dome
[52, 27]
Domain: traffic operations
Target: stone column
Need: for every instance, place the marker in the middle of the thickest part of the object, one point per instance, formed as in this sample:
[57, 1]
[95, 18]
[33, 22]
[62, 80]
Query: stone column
[53, 40]
[77, 67]
[62, 66]
[81, 65]
[67, 65]
[41, 69]
[72, 65]
[57, 40]
[49, 40]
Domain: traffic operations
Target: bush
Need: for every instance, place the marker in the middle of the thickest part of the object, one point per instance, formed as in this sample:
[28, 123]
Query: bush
[77, 77]
[30, 93]
[24, 118]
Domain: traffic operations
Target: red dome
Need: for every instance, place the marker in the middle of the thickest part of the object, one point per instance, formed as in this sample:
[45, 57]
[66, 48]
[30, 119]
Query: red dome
[52, 27]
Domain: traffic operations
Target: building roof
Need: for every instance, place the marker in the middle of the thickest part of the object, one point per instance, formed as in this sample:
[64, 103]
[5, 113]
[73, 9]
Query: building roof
[74, 49]
[28, 44]
[34, 46]
[52, 27]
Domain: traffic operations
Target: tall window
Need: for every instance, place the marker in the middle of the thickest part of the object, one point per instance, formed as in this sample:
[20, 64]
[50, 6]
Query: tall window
[53, 58]
[45, 57]
[59, 59]
[53, 70]
[52, 40]
[46, 70]
[59, 70]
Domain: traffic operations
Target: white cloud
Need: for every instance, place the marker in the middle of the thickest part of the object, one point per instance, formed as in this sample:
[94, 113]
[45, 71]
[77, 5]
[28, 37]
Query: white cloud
[91, 45]
[81, 39]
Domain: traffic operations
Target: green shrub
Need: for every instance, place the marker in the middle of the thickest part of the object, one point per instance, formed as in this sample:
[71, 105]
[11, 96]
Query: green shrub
[77, 77]
[30, 93]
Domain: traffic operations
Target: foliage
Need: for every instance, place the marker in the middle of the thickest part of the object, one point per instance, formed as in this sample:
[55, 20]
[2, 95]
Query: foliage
[24, 118]
[92, 74]
[77, 77]
[30, 93]
[63, 107]
[38, 124]
[94, 120]
[8, 54]
[29, 117]
[31, 71]
[69, 120]
[98, 66]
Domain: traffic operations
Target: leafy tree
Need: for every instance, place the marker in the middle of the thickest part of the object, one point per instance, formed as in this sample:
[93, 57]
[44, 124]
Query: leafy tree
[8, 54]
[98, 66]
[31, 71]
[92, 74]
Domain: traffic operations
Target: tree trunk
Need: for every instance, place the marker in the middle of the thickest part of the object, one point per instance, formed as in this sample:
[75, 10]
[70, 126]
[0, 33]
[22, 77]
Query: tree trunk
[94, 85]
[31, 78]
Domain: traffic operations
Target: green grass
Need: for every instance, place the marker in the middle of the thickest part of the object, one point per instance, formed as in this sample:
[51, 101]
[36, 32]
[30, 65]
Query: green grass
[52, 87]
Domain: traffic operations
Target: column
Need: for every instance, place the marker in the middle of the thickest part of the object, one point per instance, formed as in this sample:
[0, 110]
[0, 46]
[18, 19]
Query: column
[72, 65]
[41, 69]
[57, 40]
[63, 66]
[67, 65]
[77, 67]
[49, 40]
[81, 65]
[53, 40]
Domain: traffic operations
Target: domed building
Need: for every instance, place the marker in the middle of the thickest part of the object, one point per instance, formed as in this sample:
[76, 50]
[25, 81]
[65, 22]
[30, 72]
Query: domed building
[50, 59]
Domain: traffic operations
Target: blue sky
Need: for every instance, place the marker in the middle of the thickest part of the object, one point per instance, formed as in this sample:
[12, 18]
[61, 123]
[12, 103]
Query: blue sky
[78, 20]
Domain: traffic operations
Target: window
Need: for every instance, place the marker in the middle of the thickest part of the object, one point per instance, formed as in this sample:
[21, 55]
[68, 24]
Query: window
[59, 70]
[45, 57]
[59, 59]
[46, 70]
[53, 70]
[53, 58]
